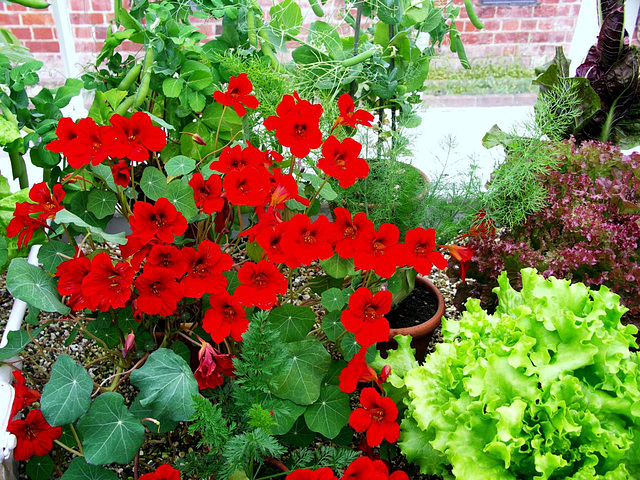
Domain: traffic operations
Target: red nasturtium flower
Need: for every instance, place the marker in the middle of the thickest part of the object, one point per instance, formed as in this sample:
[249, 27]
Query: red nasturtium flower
[163, 472]
[324, 473]
[420, 253]
[47, 204]
[204, 270]
[107, 286]
[358, 371]
[238, 95]
[158, 293]
[248, 186]
[70, 275]
[260, 284]
[136, 137]
[92, 144]
[66, 133]
[308, 241]
[207, 194]
[121, 172]
[270, 240]
[35, 436]
[167, 258]
[348, 231]
[283, 189]
[377, 417]
[24, 396]
[225, 317]
[340, 160]
[214, 366]
[23, 226]
[364, 468]
[236, 158]
[349, 116]
[364, 317]
[379, 250]
[296, 124]
[482, 226]
[160, 221]
[464, 255]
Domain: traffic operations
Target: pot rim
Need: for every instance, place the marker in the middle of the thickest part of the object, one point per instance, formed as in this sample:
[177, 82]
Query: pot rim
[429, 325]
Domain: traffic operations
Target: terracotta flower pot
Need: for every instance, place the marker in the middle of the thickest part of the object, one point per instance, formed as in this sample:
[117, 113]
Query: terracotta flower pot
[421, 333]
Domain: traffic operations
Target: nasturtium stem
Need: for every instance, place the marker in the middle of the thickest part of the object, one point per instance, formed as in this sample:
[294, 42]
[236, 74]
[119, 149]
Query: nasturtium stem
[315, 195]
[68, 449]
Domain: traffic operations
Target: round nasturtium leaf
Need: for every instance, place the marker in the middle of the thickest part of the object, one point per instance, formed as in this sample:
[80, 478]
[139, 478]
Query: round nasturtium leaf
[79, 469]
[333, 299]
[67, 394]
[40, 468]
[292, 323]
[330, 413]
[110, 432]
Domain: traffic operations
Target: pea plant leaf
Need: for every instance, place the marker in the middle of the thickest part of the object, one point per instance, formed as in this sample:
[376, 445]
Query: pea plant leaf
[301, 377]
[292, 323]
[172, 87]
[67, 394]
[110, 432]
[79, 469]
[167, 385]
[34, 286]
[53, 253]
[330, 413]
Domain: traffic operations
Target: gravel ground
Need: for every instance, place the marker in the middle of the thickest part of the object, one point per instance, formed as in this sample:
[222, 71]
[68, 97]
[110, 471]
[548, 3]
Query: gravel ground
[159, 448]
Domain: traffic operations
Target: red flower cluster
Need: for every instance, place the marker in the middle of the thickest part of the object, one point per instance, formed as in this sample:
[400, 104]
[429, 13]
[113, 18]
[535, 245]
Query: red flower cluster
[214, 366]
[23, 395]
[358, 371]
[340, 160]
[23, 224]
[362, 468]
[260, 284]
[238, 95]
[85, 142]
[35, 436]
[163, 472]
[377, 418]
[225, 317]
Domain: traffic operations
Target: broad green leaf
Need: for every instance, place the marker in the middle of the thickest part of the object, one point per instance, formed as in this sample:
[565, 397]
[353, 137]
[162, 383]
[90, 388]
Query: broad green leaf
[180, 194]
[4, 251]
[79, 469]
[299, 435]
[338, 267]
[322, 33]
[16, 341]
[232, 281]
[231, 122]
[292, 323]
[153, 183]
[327, 192]
[301, 377]
[65, 216]
[67, 394]
[254, 251]
[172, 87]
[286, 18]
[180, 165]
[332, 326]
[197, 101]
[100, 111]
[103, 328]
[199, 80]
[349, 347]
[167, 385]
[126, 320]
[104, 172]
[53, 253]
[40, 468]
[182, 350]
[333, 374]
[110, 432]
[330, 413]
[333, 299]
[34, 286]
[102, 203]
[140, 412]
[64, 94]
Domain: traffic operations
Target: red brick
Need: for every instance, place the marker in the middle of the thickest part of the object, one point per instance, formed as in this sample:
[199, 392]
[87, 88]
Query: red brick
[510, 25]
[486, 12]
[88, 46]
[14, 7]
[547, 37]
[79, 5]
[42, 46]
[491, 25]
[512, 37]
[101, 5]
[9, 19]
[86, 18]
[100, 33]
[522, 11]
[32, 18]
[547, 24]
[23, 33]
[82, 32]
[526, 25]
[43, 33]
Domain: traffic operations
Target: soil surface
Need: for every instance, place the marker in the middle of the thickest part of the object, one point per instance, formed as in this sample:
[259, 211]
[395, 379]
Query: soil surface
[417, 308]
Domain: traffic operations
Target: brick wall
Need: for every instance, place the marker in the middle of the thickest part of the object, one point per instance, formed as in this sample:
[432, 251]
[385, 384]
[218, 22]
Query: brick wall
[528, 34]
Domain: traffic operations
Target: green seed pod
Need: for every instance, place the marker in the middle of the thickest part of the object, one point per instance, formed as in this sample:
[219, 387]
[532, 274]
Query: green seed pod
[130, 78]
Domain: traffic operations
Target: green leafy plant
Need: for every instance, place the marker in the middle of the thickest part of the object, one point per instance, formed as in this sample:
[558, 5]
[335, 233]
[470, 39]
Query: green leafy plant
[546, 387]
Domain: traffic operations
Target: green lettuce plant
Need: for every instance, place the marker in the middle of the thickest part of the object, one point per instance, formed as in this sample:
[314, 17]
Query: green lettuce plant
[545, 388]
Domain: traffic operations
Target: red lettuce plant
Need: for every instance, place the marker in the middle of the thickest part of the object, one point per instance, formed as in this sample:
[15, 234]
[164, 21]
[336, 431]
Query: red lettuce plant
[588, 233]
